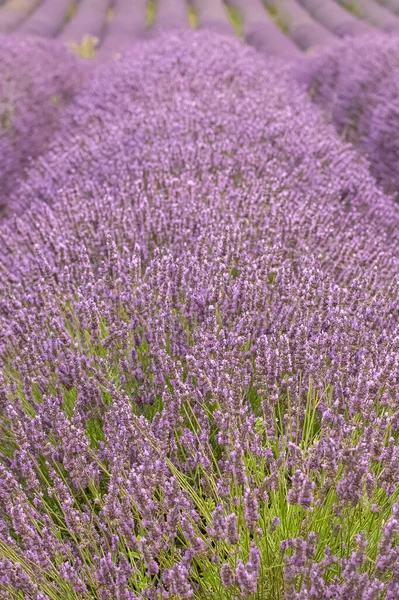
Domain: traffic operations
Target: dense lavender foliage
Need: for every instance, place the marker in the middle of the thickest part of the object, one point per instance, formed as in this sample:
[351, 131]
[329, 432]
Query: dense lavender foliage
[203, 326]
[37, 79]
[356, 82]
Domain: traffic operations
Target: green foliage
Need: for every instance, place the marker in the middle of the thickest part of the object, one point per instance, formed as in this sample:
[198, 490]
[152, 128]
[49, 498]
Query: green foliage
[274, 14]
[86, 48]
[71, 11]
[235, 18]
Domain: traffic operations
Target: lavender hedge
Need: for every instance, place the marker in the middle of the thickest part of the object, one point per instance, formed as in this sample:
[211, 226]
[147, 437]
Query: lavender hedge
[47, 20]
[212, 14]
[38, 78]
[90, 19]
[374, 13]
[199, 347]
[301, 27]
[335, 18]
[356, 83]
[126, 27]
[171, 14]
[14, 12]
[260, 31]
[392, 5]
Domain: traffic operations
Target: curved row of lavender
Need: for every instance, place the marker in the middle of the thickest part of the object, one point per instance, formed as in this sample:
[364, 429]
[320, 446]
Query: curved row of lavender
[392, 5]
[14, 12]
[47, 20]
[90, 19]
[301, 27]
[199, 345]
[375, 14]
[126, 27]
[335, 18]
[38, 79]
[357, 82]
[211, 14]
[260, 31]
[309, 26]
[171, 14]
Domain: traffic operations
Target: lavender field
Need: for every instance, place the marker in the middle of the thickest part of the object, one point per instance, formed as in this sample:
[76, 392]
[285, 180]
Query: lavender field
[199, 300]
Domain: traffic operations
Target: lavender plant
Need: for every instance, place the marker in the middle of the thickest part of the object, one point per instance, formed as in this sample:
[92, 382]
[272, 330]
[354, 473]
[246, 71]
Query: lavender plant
[38, 79]
[356, 83]
[199, 345]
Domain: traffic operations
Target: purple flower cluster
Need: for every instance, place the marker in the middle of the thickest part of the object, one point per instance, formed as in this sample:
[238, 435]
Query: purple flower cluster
[199, 391]
[37, 79]
[357, 83]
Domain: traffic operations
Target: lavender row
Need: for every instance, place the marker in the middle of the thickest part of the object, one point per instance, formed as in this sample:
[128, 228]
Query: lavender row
[375, 14]
[260, 31]
[199, 317]
[126, 27]
[90, 19]
[171, 14]
[212, 14]
[14, 12]
[392, 5]
[335, 18]
[301, 27]
[356, 82]
[38, 79]
[47, 20]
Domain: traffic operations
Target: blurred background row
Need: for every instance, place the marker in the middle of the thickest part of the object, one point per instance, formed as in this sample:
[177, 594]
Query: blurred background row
[101, 28]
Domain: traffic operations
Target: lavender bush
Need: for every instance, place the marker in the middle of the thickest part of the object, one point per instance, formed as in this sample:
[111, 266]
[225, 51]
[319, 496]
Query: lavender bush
[38, 78]
[356, 82]
[199, 345]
